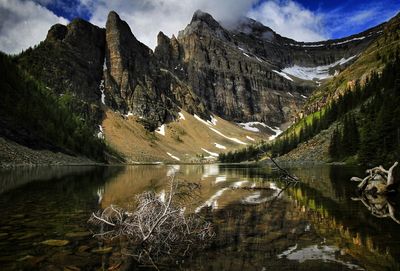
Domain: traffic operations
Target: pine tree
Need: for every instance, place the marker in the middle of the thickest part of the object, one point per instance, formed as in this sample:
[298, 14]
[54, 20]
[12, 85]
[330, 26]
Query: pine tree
[334, 146]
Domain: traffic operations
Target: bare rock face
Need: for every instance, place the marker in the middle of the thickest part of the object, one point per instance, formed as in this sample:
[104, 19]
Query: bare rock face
[232, 81]
[128, 63]
[136, 82]
[235, 71]
[132, 80]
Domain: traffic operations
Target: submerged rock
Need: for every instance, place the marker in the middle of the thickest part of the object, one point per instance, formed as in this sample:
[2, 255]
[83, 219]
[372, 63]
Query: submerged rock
[83, 248]
[78, 234]
[29, 235]
[103, 250]
[55, 243]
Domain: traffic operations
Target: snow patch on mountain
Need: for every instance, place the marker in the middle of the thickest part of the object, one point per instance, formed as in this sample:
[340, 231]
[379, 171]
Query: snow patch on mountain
[103, 96]
[227, 137]
[311, 73]
[249, 126]
[100, 134]
[174, 157]
[213, 121]
[250, 138]
[181, 116]
[219, 146]
[350, 40]
[283, 75]
[277, 132]
[161, 130]
[211, 153]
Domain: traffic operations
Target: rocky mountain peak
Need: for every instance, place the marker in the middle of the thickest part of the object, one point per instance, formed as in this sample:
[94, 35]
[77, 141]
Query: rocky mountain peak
[202, 16]
[118, 28]
[57, 32]
[135, 81]
[163, 49]
[167, 50]
[249, 26]
[84, 34]
[123, 51]
[162, 39]
[203, 24]
[70, 60]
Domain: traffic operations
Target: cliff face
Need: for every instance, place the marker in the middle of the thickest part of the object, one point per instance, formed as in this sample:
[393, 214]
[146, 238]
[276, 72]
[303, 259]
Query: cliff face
[245, 73]
[233, 82]
[132, 84]
[250, 73]
[136, 84]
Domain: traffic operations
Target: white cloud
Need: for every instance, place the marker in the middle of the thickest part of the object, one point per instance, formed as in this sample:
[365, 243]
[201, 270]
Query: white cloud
[147, 17]
[290, 19]
[24, 24]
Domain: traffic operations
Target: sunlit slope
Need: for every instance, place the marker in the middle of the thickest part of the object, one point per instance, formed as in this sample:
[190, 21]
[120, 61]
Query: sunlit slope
[373, 58]
[187, 139]
[377, 55]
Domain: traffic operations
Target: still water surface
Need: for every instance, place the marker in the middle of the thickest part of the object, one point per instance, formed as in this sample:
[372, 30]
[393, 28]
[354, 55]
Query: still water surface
[314, 225]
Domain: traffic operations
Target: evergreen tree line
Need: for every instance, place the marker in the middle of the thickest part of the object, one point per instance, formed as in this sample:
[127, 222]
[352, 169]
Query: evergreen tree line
[373, 137]
[345, 142]
[252, 152]
[28, 105]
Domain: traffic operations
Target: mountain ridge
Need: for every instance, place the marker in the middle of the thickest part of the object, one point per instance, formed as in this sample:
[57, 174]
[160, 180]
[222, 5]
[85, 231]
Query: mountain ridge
[245, 74]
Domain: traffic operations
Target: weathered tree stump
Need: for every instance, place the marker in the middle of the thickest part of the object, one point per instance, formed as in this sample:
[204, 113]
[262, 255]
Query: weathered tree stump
[374, 189]
[379, 180]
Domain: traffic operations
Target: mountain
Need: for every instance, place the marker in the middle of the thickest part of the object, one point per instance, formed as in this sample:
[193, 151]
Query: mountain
[38, 127]
[351, 118]
[250, 73]
[188, 95]
[366, 94]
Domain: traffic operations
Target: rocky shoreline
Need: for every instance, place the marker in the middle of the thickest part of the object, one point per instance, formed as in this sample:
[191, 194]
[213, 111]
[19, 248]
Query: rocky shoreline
[13, 154]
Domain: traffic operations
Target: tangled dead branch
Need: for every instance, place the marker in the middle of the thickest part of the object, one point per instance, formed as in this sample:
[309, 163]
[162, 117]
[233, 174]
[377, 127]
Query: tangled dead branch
[158, 226]
[379, 205]
[378, 180]
[373, 191]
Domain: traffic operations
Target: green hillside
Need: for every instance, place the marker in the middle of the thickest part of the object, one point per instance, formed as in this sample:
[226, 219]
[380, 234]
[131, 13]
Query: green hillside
[360, 108]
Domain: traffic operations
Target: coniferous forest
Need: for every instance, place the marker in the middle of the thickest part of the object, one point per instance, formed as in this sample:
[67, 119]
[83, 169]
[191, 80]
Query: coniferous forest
[367, 119]
[33, 114]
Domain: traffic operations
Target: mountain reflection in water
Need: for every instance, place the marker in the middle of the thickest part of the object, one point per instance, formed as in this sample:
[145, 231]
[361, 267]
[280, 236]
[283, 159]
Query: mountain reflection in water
[313, 225]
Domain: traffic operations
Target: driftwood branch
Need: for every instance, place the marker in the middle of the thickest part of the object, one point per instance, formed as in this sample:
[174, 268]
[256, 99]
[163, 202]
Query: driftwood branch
[284, 173]
[158, 227]
[377, 181]
[373, 190]
[379, 206]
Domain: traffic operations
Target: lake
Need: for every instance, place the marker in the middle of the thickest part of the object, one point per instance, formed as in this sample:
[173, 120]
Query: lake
[315, 224]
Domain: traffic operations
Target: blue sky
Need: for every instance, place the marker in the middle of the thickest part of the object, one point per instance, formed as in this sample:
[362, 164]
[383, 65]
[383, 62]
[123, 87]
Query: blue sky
[24, 23]
[364, 14]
